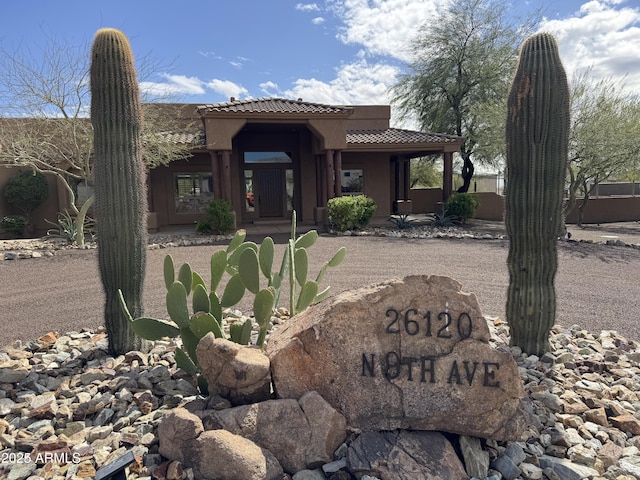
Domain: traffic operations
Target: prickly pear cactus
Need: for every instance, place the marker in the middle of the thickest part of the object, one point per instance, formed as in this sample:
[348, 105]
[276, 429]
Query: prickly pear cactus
[537, 150]
[120, 204]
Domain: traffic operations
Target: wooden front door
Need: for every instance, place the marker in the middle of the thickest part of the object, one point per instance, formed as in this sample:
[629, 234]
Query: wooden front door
[269, 184]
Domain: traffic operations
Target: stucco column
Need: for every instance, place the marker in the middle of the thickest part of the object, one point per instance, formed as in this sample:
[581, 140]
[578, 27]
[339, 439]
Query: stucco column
[337, 167]
[226, 175]
[215, 172]
[330, 174]
[406, 179]
[447, 176]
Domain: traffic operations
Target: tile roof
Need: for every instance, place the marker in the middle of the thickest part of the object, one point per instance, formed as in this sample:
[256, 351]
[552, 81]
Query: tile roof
[273, 105]
[193, 138]
[397, 136]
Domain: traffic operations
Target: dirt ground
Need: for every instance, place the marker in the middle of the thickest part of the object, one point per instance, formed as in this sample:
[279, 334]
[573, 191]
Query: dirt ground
[597, 285]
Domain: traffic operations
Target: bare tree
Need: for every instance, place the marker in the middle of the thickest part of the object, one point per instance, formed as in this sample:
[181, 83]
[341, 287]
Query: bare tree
[45, 105]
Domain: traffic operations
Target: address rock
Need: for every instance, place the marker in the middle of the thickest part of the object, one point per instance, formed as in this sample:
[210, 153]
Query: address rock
[404, 354]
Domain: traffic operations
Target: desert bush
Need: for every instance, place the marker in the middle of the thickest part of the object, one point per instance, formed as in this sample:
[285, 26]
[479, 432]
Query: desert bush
[219, 219]
[462, 205]
[14, 224]
[350, 212]
[26, 191]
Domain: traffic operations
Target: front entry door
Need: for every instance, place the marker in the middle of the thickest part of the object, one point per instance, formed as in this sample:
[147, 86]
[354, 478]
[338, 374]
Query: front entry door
[269, 183]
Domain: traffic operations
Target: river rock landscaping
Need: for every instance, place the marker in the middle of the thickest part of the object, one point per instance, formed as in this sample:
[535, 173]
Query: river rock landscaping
[63, 398]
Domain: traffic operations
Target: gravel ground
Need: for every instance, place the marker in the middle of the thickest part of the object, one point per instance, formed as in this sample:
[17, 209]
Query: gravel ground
[597, 284]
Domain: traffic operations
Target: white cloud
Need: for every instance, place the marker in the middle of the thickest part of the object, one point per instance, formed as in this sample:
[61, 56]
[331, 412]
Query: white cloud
[383, 27]
[603, 35]
[175, 85]
[317, 20]
[269, 88]
[355, 84]
[307, 7]
[227, 88]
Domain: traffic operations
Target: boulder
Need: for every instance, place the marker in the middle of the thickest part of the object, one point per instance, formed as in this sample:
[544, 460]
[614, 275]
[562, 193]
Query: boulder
[404, 354]
[176, 433]
[236, 372]
[404, 455]
[300, 434]
[221, 455]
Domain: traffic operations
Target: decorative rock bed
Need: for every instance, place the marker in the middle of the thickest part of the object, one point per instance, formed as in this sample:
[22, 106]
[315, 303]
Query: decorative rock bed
[63, 398]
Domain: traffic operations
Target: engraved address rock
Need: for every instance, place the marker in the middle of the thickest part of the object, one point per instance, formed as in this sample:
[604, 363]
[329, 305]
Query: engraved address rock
[410, 354]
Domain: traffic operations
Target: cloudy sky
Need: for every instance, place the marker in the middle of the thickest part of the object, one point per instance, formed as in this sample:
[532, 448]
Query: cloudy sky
[328, 51]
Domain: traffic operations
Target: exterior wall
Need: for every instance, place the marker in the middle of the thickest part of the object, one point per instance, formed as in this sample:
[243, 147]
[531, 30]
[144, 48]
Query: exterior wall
[161, 186]
[369, 117]
[48, 210]
[426, 200]
[491, 206]
[375, 169]
[611, 209]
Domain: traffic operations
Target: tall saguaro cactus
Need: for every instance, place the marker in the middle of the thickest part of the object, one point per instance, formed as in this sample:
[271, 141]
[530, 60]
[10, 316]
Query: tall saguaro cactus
[537, 135]
[121, 200]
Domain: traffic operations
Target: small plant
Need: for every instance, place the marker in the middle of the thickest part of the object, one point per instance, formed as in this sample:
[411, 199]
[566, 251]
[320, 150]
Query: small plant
[219, 219]
[462, 205]
[14, 224]
[66, 228]
[350, 212]
[443, 219]
[401, 221]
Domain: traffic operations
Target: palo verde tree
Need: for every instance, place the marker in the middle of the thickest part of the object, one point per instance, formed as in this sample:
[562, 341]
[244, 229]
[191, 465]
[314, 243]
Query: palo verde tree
[121, 198]
[459, 78]
[44, 102]
[537, 134]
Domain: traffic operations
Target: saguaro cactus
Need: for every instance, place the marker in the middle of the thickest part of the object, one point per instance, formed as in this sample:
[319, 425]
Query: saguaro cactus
[120, 204]
[537, 135]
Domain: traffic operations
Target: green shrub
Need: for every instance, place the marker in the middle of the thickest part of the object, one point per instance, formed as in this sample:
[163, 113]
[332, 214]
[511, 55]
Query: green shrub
[219, 219]
[14, 224]
[350, 212]
[26, 191]
[462, 205]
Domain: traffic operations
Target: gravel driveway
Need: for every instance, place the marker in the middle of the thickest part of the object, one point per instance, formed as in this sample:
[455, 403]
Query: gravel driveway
[597, 284]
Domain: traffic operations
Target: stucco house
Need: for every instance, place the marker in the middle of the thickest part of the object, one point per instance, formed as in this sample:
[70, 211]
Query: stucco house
[269, 156]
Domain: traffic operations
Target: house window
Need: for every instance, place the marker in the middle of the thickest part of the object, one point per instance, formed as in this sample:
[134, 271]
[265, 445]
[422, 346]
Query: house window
[352, 182]
[267, 157]
[193, 191]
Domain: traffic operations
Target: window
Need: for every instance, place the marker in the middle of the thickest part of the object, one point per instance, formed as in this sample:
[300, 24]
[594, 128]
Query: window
[267, 157]
[352, 182]
[248, 187]
[193, 191]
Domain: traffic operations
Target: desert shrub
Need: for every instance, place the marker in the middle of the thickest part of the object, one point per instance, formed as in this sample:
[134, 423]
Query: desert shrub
[350, 212]
[66, 228]
[462, 205]
[14, 224]
[26, 191]
[219, 219]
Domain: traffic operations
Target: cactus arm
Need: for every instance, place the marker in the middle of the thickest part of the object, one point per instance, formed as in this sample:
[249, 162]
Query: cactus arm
[169, 273]
[185, 276]
[154, 329]
[218, 266]
[177, 304]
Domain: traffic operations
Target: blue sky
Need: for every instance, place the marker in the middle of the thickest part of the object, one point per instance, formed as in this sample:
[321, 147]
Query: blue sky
[328, 51]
